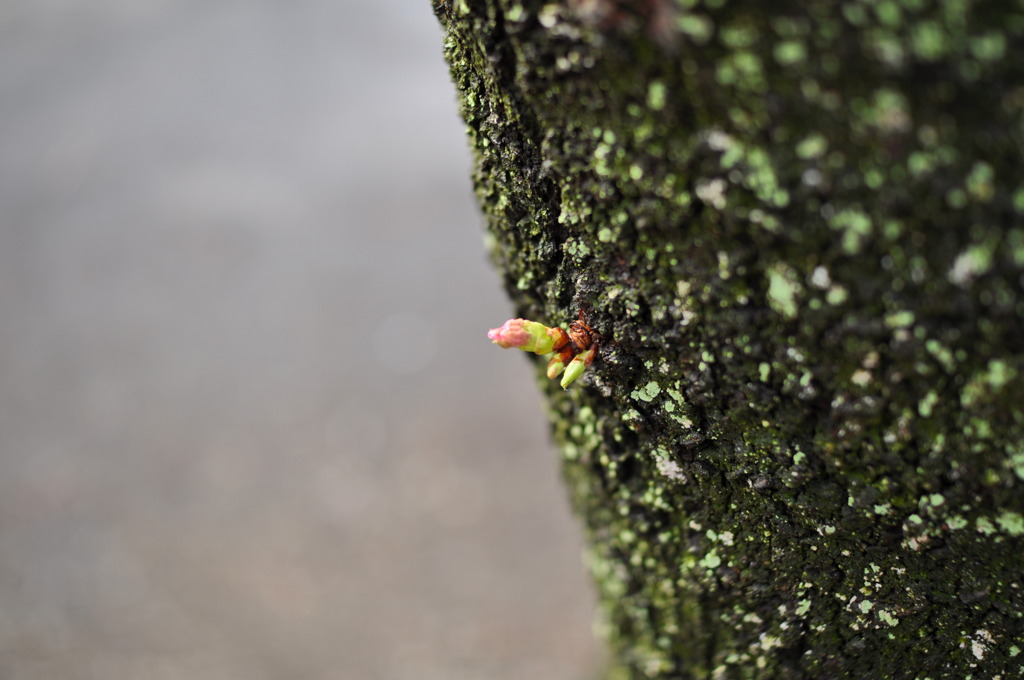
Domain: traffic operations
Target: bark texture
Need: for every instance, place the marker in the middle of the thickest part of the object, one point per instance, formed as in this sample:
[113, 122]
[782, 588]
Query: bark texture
[798, 228]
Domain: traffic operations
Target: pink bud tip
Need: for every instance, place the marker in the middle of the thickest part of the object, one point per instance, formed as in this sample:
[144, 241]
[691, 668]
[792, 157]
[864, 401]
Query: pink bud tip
[511, 334]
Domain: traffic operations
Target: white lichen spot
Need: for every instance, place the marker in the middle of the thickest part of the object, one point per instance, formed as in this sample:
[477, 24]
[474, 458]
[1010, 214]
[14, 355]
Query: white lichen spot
[970, 264]
[719, 140]
[861, 378]
[979, 643]
[820, 278]
[812, 177]
[670, 469]
[712, 192]
[548, 16]
[769, 641]
[915, 544]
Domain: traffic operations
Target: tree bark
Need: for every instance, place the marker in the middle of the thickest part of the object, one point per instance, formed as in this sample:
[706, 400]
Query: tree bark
[798, 229]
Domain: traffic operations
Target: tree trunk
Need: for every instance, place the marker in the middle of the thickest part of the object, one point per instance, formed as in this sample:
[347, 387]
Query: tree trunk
[798, 229]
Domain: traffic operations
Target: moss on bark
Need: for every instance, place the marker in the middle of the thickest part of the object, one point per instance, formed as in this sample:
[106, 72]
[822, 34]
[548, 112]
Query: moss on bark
[799, 228]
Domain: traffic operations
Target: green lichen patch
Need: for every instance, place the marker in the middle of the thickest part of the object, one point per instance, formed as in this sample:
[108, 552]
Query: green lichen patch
[647, 393]
[988, 382]
[1011, 523]
[783, 290]
[855, 226]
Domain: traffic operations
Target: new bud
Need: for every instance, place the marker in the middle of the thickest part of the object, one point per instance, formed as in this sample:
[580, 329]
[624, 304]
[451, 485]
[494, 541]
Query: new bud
[528, 336]
[555, 367]
[576, 367]
[571, 352]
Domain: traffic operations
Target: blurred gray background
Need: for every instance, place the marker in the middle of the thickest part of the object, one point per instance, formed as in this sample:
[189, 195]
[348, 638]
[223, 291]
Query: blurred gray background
[250, 425]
